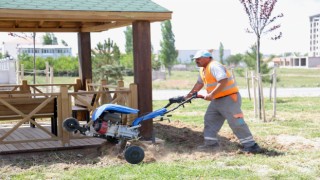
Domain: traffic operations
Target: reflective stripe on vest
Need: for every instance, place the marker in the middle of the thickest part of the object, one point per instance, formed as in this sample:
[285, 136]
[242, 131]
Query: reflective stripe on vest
[211, 83]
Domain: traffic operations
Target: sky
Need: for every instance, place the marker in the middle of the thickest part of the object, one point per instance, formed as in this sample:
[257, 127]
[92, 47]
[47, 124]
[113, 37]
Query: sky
[204, 24]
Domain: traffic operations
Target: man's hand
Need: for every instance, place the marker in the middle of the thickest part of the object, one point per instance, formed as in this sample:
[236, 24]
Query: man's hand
[197, 86]
[208, 97]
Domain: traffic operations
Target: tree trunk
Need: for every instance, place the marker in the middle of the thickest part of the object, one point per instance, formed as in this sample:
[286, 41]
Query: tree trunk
[169, 71]
[258, 73]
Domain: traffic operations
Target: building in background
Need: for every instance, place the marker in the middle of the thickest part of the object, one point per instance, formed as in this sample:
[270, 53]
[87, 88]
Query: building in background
[44, 51]
[313, 59]
[185, 56]
[11, 47]
[25, 45]
[314, 36]
[297, 62]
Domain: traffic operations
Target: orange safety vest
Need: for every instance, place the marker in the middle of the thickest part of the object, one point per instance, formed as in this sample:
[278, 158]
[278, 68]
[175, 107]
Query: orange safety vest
[210, 82]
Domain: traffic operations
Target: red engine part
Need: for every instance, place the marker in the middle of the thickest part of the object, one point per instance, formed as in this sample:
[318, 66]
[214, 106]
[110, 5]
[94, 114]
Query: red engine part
[101, 127]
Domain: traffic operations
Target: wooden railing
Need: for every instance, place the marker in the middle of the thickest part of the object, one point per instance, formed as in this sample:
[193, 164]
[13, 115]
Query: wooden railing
[25, 108]
[65, 99]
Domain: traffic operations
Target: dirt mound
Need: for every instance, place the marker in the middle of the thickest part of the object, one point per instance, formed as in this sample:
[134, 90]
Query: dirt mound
[180, 141]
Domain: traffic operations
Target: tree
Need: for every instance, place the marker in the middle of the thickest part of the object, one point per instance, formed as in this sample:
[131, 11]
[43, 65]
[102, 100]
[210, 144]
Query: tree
[129, 42]
[50, 39]
[297, 54]
[259, 13]
[234, 60]
[168, 53]
[106, 62]
[287, 54]
[221, 52]
[250, 60]
[126, 60]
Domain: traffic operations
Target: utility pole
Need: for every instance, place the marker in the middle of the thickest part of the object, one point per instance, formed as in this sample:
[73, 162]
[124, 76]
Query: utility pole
[34, 57]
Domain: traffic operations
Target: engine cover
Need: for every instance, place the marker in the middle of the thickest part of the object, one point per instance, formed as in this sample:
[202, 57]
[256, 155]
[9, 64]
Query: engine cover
[100, 127]
[112, 117]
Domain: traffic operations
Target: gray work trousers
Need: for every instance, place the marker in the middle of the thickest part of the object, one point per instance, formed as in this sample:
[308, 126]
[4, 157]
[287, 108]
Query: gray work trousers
[226, 108]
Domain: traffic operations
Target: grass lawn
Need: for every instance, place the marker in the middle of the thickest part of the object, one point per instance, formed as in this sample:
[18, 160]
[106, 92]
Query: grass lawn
[186, 79]
[291, 144]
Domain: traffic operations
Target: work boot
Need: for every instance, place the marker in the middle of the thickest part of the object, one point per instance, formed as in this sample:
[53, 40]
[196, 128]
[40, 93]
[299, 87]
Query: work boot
[252, 149]
[208, 147]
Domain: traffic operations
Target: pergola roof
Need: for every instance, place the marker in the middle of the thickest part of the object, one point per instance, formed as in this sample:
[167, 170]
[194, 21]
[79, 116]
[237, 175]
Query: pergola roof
[76, 15]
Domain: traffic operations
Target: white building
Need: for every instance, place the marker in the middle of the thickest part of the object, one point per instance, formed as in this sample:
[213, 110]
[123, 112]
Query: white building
[20, 45]
[314, 36]
[297, 62]
[45, 50]
[10, 47]
[185, 56]
[313, 60]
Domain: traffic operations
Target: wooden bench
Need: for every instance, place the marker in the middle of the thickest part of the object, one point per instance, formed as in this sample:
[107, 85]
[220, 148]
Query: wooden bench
[19, 108]
[84, 104]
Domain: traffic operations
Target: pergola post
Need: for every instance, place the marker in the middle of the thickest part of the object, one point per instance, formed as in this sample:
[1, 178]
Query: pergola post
[142, 72]
[84, 50]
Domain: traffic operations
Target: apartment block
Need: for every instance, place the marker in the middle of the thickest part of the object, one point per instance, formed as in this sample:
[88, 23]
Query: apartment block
[314, 36]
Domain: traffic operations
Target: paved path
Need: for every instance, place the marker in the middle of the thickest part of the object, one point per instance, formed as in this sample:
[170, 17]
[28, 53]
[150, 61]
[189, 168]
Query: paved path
[281, 92]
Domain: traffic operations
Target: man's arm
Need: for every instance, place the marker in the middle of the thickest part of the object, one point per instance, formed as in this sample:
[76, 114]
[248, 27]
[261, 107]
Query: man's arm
[197, 87]
[221, 84]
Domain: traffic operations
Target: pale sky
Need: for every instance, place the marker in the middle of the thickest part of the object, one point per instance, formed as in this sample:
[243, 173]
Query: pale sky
[203, 24]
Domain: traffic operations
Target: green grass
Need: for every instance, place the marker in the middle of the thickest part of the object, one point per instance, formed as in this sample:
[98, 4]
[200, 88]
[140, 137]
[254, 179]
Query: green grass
[56, 80]
[186, 79]
[175, 170]
[288, 78]
[294, 116]
[297, 117]
[292, 163]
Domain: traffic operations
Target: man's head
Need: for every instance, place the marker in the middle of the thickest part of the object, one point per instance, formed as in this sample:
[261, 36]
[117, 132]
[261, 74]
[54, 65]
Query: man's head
[202, 58]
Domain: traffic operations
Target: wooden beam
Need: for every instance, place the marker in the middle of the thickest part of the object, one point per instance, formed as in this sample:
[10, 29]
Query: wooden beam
[16, 24]
[58, 15]
[142, 72]
[35, 29]
[84, 51]
[106, 26]
[60, 24]
[40, 23]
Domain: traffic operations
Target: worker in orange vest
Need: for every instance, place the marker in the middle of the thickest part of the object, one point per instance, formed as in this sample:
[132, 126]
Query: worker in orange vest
[225, 103]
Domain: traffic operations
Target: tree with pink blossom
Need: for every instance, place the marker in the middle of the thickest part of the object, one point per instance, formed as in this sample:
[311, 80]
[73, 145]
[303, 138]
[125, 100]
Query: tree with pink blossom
[260, 20]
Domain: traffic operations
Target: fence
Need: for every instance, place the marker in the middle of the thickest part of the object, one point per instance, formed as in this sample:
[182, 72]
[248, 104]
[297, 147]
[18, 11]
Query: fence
[48, 72]
[65, 99]
[258, 96]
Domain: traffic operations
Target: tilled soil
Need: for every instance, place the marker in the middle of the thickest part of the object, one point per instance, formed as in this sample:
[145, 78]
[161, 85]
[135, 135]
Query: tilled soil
[180, 142]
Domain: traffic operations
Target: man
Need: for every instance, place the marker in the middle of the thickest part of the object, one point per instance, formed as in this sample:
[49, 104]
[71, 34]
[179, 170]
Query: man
[225, 103]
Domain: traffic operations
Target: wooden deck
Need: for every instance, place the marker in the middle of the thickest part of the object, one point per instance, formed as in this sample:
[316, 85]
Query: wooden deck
[25, 133]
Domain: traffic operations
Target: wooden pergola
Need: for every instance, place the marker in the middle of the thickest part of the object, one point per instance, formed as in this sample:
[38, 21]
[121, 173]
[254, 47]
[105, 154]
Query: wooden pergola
[85, 16]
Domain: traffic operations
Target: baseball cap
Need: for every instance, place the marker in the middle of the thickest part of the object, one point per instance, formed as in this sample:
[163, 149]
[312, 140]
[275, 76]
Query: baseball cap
[202, 53]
